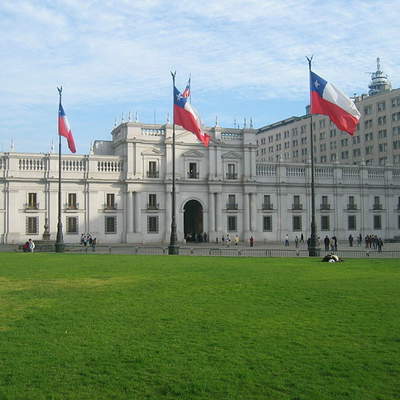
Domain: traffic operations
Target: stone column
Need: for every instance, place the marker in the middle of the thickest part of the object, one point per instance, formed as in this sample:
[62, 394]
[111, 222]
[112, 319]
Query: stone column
[138, 225]
[129, 211]
[218, 212]
[168, 201]
[246, 214]
[211, 213]
[253, 213]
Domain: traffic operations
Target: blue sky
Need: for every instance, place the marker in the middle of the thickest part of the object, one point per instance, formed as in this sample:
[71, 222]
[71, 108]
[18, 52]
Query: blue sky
[246, 59]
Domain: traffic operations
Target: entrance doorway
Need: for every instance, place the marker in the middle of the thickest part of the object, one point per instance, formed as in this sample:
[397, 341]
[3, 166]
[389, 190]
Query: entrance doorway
[193, 221]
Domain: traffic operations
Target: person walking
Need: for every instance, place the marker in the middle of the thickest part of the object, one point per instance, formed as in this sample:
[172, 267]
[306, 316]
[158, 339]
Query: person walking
[351, 240]
[236, 240]
[296, 241]
[251, 241]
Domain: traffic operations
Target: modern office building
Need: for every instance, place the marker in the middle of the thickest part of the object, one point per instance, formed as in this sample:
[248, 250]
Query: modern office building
[376, 142]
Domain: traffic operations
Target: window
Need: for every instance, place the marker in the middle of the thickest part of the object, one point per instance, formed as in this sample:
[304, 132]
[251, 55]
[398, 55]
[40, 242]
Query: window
[369, 149]
[110, 224]
[152, 172]
[267, 205]
[396, 116]
[152, 205]
[396, 130]
[32, 200]
[72, 224]
[369, 136]
[344, 142]
[322, 147]
[382, 134]
[377, 222]
[368, 109]
[32, 224]
[382, 120]
[324, 203]
[356, 152]
[267, 223]
[297, 223]
[333, 157]
[377, 203]
[351, 223]
[332, 133]
[382, 147]
[231, 205]
[72, 204]
[381, 106]
[152, 224]
[322, 123]
[232, 223]
[193, 173]
[356, 139]
[231, 174]
[324, 222]
[345, 155]
[323, 159]
[296, 203]
[398, 222]
[368, 124]
[352, 204]
[110, 204]
[396, 101]
[322, 135]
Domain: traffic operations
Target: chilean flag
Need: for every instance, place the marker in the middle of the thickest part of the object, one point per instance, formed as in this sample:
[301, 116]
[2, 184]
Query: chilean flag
[187, 118]
[328, 100]
[64, 129]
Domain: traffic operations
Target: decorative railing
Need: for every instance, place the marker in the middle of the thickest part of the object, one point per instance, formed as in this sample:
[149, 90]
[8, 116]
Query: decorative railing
[73, 165]
[112, 206]
[193, 175]
[297, 206]
[153, 174]
[153, 206]
[295, 171]
[352, 206]
[376, 173]
[231, 206]
[351, 172]
[31, 164]
[377, 206]
[324, 172]
[265, 170]
[267, 206]
[231, 175]
[324, 206]
[109, 166]
[153, 132]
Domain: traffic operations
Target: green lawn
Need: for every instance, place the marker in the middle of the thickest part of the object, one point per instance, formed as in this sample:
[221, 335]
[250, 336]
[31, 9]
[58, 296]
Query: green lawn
[166, 327]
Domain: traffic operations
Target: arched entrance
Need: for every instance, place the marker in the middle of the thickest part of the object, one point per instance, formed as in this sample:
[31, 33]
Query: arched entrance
[193, 220]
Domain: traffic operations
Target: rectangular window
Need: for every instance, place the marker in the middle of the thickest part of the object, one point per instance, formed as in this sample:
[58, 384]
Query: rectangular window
[152, 205]
[72, 204]
[231, 205]
[296, 203]
[377, 222]
[297, 223]
[231, 174]
[267, 205]
[193, 173]
[398, 222]
[381, 106]
[110, 204]
[324, 222]
[351, 223]
[267, 223]
[152, 172]
[32, 200]
[110, 224]
[152, 224]
[32, 227]
[72, 224]
[232, 223]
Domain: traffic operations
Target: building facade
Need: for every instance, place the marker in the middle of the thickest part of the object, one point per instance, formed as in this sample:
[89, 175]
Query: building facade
[121, 191]
[376, 142]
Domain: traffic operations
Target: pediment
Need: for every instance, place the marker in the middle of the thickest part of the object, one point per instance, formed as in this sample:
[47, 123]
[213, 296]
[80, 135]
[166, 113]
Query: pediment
[232, 155]
[152, 152]
[193, 154]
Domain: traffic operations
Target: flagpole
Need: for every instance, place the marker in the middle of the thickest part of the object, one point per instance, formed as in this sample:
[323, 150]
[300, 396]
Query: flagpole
[173, 247]
[313, 250]
[59, 247]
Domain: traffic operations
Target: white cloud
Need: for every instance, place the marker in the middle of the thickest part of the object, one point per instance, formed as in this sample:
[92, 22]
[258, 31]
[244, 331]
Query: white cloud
[121, 51]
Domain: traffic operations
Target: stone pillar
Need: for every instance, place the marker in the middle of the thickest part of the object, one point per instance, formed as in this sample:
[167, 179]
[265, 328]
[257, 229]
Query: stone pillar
[211, 213]
[138, 225]
[253, 213]
[129, 211]
[218, 212]
[246, 215]
[168, 205]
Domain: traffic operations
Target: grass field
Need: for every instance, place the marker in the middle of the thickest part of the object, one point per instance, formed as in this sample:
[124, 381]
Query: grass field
[142, 327]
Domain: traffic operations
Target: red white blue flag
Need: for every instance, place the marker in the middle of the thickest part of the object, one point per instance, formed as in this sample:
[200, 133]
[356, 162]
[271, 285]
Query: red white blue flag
[326, 99]
[186, 117]
[64, 129]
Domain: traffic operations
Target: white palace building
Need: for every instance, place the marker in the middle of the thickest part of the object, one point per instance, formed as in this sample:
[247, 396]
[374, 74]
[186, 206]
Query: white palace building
[121, 191]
